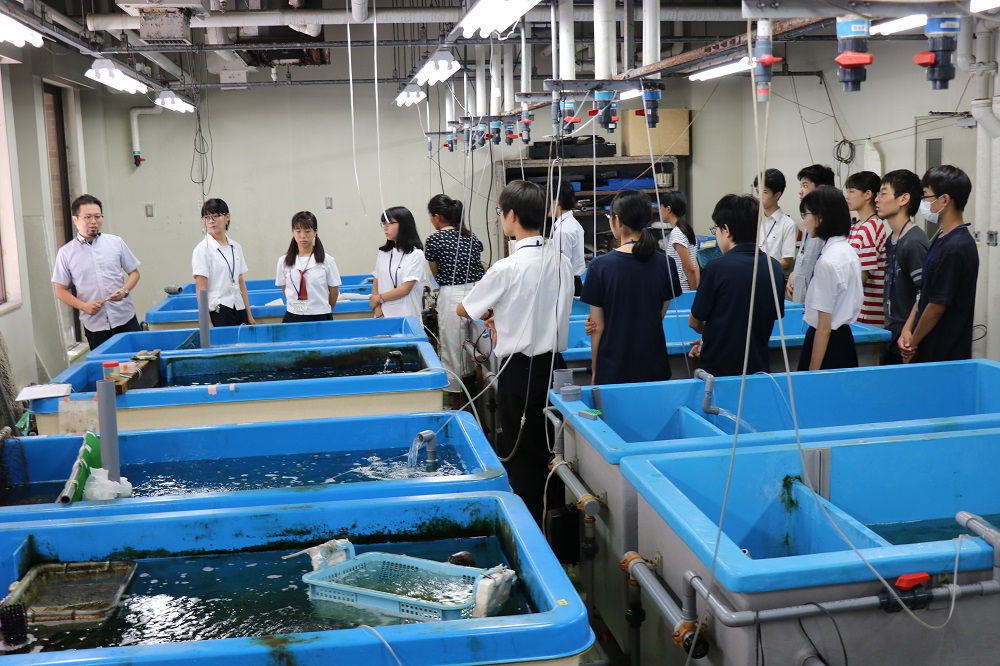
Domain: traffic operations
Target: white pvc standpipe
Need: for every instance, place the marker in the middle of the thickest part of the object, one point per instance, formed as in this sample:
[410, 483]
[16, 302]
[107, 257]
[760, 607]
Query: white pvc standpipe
[526, 61]
[985, 132]
[604, 36]
[495, 89]
[449, 103]
[651, 33]
[107, 424]
[482, 90]
[204, 320]
[508, 77]
[567, 41]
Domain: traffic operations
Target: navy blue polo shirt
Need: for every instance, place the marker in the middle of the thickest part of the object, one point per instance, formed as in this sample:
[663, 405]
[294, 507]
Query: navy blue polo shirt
[723, 303]
[951, 269]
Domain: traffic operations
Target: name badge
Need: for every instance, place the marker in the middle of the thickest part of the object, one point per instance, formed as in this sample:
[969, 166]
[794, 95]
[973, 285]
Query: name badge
[297, 307]
[234, 287]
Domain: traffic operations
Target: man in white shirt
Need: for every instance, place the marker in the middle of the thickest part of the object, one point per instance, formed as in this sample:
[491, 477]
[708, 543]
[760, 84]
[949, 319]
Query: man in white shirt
[779, 230]
[104, 272]
[567, 234]
[525, 299]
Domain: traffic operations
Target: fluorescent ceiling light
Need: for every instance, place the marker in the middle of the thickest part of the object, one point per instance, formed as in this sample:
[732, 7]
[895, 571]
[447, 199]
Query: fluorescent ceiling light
[489, 16]
[899, 25]
[168, 100]
[741, 65]
[983, 5]
[410, 95]
[630, 94]
[114, 76]
[17, 33]
[439, 67]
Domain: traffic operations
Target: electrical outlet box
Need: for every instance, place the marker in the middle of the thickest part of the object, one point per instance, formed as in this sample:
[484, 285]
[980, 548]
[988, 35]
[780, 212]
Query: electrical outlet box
[328, 202]
[150, 210]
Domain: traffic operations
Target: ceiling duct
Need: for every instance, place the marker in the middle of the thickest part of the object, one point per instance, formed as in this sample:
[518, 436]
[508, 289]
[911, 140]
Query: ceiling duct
[165, 23]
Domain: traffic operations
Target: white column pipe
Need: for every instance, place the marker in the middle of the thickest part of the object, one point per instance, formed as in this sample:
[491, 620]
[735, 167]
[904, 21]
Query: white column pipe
[359, 10]
[119, 22]
[651, 33]
[567, 41]
[495, 94]
[604, 36]
[482, 88]
[508, 77]
[449, 103]
[989, 276]
[220, 36]
[526, 63]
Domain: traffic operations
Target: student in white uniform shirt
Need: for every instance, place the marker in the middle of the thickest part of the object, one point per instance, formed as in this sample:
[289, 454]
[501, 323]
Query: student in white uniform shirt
[833, 298]
[218, 264]
[400, 269]
[779, 228]
[526, 300]
[567, 234]
[307, 274]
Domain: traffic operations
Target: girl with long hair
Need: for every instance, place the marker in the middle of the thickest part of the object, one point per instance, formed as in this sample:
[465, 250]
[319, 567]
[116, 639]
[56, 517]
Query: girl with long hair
[680, 245]
[218, 264]
[398, 289]
[307, 274]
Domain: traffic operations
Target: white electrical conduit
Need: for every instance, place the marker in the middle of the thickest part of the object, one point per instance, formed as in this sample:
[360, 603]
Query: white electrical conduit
[567, 41]
[604, 38]
[134, 121]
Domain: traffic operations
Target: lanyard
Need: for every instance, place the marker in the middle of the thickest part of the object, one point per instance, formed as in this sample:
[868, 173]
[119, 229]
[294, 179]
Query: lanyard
[394, 278]
[232, 268]
[771, 229]
[895, 260]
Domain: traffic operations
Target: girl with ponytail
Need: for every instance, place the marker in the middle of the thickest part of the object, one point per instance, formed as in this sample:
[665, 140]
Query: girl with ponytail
[454, 255]
[628, 291]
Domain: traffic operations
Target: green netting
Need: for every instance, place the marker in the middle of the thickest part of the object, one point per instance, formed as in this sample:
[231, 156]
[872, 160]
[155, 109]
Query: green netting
[89, 458]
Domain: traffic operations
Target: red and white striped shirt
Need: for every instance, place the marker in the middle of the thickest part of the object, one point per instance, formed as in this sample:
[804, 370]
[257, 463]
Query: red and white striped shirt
[868, 240]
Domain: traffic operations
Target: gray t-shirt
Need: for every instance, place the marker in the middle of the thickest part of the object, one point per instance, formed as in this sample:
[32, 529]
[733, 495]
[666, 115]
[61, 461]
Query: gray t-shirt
[904, 261]
[805, 263]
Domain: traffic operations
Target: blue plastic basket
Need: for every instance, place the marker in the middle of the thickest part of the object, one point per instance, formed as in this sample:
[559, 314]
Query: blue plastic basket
[339, 583]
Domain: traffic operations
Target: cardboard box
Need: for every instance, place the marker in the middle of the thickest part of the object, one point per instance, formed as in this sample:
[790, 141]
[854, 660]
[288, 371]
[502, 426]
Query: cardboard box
[669, 137]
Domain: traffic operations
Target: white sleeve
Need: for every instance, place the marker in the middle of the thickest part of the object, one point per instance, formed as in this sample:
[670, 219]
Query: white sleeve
[243, 261]
[821, 294]
[279, 278]
[200, 261]
[413, 267]
[332, 274]
[129, 261]
[788, 235]
[60, 272]
[486, 293]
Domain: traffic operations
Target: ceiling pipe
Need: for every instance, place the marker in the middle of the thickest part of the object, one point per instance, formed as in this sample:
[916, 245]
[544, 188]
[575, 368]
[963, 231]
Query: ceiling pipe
[119, 22]
[219, 36]
[604, 29]
[651, 33]
[567, 41]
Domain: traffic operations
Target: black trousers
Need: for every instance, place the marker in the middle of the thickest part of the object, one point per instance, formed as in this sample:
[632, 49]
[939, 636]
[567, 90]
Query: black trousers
[840, 351]
[577, 285]
[526, 377]
[227, 316]
[96, 338]
[291, 317]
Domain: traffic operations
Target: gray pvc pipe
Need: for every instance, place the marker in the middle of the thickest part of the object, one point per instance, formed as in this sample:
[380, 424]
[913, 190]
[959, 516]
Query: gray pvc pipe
[591, 506]
[984, 530]
[706, 404]
[651, 586]
[107, 423]
[204, 322]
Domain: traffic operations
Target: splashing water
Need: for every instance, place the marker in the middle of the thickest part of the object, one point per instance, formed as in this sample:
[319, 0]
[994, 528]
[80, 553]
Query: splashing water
[744, 426]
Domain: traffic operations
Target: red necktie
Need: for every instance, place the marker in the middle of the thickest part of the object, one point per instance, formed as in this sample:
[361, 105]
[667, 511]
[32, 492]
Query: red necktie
[302, 286]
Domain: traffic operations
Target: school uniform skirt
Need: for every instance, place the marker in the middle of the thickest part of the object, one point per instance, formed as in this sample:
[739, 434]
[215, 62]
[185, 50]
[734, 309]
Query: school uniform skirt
[452, 332]
[840, 351]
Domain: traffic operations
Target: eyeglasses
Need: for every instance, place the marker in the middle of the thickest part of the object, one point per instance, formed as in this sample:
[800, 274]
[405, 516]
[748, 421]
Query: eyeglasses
[215, 217]
[92, 218]
[499, 211]
[807, 214]
[712, 230]
[931, 197]
[387, 223]
[609, 216]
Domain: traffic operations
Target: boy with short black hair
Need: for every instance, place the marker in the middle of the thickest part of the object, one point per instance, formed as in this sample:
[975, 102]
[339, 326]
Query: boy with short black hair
[567, 234]
[779, 228]
[525, 299]
[897, 202]
[939, 327]
[811, 177]
[720, 311]
[867, 237]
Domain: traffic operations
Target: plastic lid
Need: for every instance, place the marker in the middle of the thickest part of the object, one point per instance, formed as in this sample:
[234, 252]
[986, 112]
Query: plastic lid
[109, 364]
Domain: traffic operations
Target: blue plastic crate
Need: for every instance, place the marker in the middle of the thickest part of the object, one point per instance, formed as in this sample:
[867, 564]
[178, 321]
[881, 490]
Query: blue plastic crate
[386, 568]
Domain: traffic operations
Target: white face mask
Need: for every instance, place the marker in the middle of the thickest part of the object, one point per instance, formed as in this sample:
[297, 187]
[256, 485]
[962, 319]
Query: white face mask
[925, 210]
